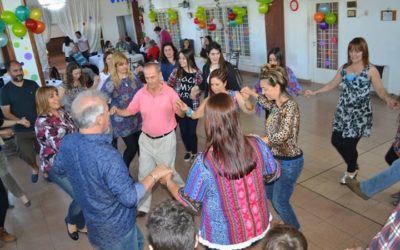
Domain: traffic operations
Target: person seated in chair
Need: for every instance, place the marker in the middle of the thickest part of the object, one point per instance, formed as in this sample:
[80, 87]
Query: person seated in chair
[89, 69]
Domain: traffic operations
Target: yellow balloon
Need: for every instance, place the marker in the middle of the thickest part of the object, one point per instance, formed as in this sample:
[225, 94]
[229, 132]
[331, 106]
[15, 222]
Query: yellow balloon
[35, 14]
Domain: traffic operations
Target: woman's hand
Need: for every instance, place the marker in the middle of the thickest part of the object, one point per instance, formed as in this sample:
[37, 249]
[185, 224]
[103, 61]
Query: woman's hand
[182, 106]
[392, 103]
[114, 110]
[248, 91]
[160, 172]
[308, 93]
[6, 133]
[24, 122]
[164, 180]
[265, 139]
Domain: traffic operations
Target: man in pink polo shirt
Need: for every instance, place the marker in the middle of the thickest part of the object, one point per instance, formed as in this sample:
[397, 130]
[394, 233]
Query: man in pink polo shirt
[157, 143]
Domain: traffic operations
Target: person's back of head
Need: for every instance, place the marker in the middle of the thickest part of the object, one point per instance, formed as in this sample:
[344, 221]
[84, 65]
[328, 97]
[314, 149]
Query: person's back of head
[171, 226]
[157, 29]
[284, 237]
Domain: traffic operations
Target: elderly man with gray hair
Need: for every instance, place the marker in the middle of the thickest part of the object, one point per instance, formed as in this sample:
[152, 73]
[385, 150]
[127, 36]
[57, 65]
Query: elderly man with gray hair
[99, 176]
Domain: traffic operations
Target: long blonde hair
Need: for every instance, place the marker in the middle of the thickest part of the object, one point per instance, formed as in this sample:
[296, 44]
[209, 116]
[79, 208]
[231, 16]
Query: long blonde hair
[119, 58]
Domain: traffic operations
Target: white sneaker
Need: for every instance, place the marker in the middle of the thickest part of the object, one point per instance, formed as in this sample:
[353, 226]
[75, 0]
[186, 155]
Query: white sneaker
[347, 174]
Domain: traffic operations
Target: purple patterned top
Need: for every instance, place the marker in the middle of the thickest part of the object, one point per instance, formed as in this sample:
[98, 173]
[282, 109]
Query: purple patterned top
[121, 97]
[50, 130]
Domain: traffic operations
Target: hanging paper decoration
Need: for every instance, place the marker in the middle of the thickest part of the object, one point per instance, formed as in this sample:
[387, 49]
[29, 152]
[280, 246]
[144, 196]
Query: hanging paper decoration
[264, 6]
[200, 17]
[172, 16]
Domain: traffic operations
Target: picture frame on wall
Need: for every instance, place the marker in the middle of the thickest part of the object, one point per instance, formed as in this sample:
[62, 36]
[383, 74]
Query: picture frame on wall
[388, 15]
[351, 13]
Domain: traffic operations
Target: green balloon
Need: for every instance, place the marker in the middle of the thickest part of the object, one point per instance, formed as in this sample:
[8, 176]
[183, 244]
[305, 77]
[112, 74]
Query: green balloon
[241, 12]
[239, 21]
[330, 18]
[8, 17]
[263, 8]
[2, 25]
[19, 29]
[22, 12]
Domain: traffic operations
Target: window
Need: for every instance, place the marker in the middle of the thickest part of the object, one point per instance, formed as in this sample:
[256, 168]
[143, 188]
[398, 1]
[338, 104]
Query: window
[174, 31]
[230, 38]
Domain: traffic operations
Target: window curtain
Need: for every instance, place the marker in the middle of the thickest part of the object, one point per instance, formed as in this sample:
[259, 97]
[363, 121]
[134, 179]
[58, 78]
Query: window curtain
[42, 39]
[83, 16]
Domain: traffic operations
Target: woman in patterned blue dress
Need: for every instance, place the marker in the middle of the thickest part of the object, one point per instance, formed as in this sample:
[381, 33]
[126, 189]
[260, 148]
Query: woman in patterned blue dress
[353, 116]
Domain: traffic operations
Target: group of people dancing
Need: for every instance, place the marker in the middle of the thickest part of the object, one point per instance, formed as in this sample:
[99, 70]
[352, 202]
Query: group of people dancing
[233, 176]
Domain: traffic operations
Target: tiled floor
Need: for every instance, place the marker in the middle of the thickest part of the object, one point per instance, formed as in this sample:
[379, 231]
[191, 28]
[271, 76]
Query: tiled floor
[331, 216]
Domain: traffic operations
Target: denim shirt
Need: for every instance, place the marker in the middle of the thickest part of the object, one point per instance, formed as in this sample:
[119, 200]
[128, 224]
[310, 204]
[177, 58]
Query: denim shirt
[102, 185]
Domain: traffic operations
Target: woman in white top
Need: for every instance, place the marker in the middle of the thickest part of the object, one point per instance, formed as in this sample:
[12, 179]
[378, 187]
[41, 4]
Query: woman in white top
[103, 76]
[67, 48]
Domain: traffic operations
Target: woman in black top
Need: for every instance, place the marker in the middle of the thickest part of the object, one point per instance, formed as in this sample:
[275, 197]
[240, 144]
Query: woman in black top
[216, 61]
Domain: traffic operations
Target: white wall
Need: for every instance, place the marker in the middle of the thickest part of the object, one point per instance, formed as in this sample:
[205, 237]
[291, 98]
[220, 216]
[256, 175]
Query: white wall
[188, 28]
[382, 37]
[109, 12]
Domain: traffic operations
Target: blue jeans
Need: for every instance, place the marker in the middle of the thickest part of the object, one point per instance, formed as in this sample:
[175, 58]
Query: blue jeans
[75, 214]
[133, 240]
[279, 191]
[381, 181]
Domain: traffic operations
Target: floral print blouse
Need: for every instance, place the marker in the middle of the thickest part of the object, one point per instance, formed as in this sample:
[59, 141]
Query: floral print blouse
[50, 130]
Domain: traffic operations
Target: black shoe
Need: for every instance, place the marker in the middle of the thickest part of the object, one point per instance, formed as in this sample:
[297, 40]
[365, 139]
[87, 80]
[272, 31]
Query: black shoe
[188, 156]
[141, 214]
[73, 235]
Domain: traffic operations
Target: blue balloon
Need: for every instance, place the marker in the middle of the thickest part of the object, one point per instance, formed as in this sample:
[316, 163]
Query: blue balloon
[324, 8]
[232, 23]
[2, 25]
[3, 39]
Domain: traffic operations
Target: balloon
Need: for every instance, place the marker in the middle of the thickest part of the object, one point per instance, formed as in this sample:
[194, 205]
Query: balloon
[200, 9]
[31, 24]
[22, 12]
[319, 17]
[212, 27]
[202, 19]
[265, 1]
[334, 40]
[263, 8]
[239, 21]
[323, 25]
[241, 12]
[324, 8]
[232, 23]
[173, 21]
[18, 29]
[3, 39]
[36, 14]
[196, 20]
[40, 27]
[202, 25]
[2, 25]
[8, 17]
[330, 18]
[235, 9]
[231, 16]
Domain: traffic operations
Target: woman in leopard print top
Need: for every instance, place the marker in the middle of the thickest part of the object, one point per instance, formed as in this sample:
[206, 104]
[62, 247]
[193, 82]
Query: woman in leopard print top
[282, 130]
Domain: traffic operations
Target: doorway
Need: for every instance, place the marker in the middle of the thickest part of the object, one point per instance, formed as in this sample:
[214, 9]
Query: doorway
[126, 27]
[275, 27]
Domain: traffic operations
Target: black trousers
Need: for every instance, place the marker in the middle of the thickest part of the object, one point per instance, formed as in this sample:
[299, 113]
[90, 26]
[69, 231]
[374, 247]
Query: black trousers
[132, 146]
[391, 156]
[347, 148]
[3, 204]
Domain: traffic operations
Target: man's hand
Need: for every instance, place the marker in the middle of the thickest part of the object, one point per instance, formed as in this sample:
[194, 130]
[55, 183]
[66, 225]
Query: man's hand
[161, 171]
[24, 122]
[6, 133]
[114, 110]
[182, 106]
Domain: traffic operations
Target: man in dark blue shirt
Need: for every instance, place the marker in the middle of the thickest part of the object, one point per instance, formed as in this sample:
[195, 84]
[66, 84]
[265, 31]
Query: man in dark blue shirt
[17, 102]
[99, 176]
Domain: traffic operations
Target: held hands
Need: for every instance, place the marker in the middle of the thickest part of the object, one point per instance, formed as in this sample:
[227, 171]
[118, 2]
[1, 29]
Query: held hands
[182, 106]
[114, 110]
[308, 93]
[24, 122]
[166, 179]
[392, 103]
[6, 133]
[96, 81]
[249, 92]
[160, 172]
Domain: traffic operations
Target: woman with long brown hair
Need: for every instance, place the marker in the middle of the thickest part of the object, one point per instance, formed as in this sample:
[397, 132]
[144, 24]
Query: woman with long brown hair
[227, 180]
[120, 88]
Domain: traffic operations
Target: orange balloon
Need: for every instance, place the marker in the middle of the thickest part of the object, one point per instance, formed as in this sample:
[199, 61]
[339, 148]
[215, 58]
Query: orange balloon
[319, 17]
[173, 22]
[202, 25]
[40, 27]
